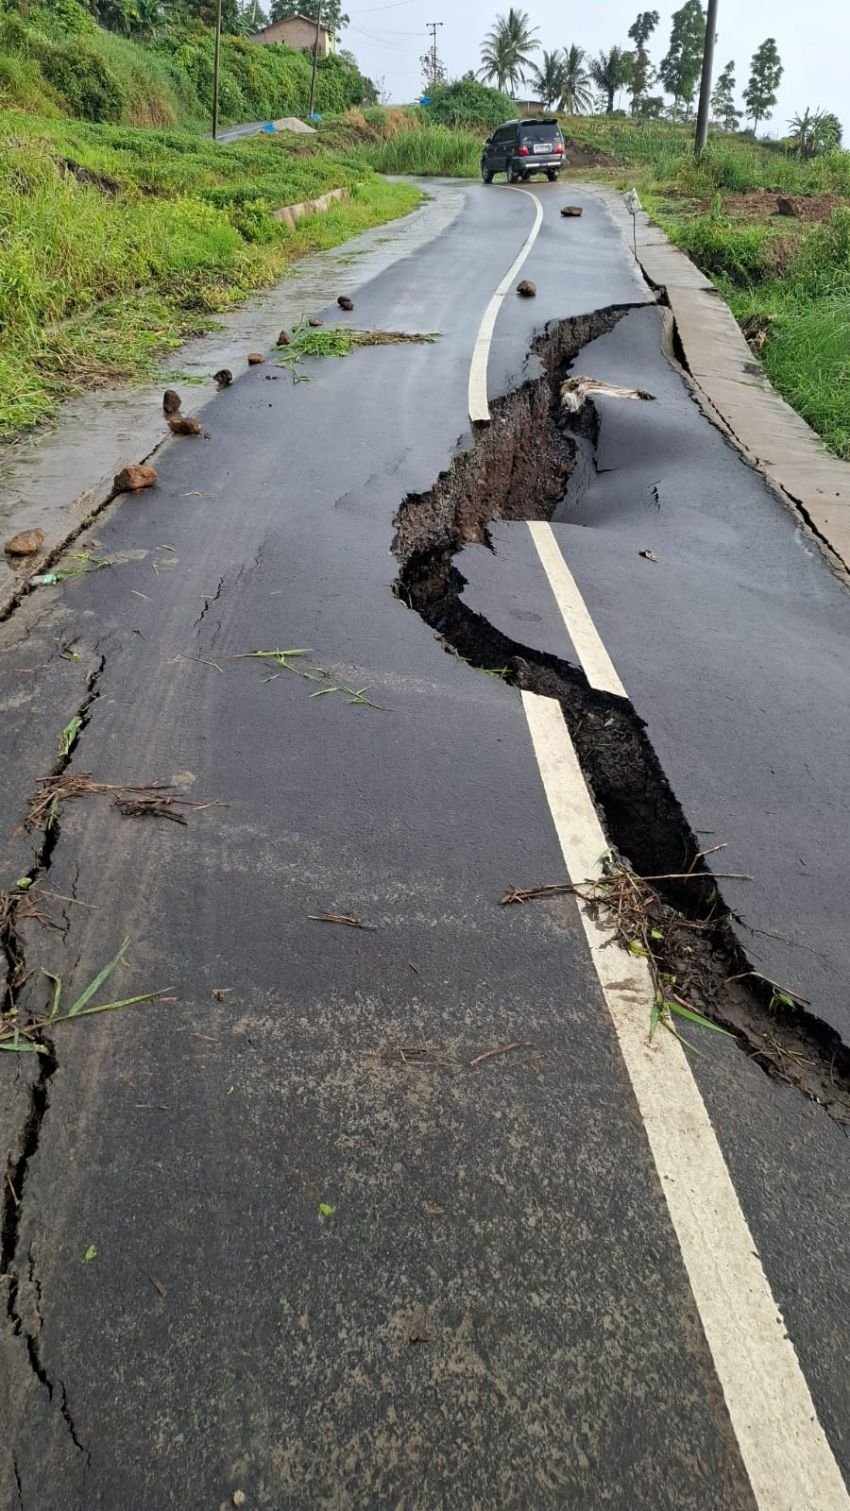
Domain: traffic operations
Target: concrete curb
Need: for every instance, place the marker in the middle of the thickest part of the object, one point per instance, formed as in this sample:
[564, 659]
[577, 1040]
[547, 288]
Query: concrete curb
[289, 215]
[736, 393]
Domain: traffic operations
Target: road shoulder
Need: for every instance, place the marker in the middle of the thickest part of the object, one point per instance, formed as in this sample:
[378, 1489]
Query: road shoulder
[734, 390]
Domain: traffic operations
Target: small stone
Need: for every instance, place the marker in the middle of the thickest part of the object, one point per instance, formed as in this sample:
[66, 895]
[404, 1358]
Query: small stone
[224, 377]
[648, 555]
[571, 210]
[315, 323]
[255, 359]
[527, 289]
[283, 338]
[171, 402]
[134, 479]
[181, 424]
[25, 543]
[238, 1497]
[345, 303]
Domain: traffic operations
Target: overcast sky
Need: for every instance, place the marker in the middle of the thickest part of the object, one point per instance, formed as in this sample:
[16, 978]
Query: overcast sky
[388, 37]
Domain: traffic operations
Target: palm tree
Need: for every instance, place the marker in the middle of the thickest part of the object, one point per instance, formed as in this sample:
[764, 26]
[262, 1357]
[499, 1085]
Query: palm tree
[576, 94]
[507, 48]
[609, 72]
[815, 131]
[547, 78]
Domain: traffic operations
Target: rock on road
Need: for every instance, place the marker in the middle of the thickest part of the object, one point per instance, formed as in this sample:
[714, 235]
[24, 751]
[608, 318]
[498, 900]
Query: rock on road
[338, 1253]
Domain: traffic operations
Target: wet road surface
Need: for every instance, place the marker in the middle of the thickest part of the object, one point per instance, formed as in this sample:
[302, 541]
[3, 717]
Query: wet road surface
[337, 1263]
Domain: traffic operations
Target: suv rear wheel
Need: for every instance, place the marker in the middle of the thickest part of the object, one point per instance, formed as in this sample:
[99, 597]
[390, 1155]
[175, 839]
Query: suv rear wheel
[514, 175]
[552, 175]
[487, 175]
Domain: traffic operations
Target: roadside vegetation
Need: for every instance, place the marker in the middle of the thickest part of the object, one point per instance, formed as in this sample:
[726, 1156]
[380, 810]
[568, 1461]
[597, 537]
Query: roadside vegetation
[55, 60]
[117, 244]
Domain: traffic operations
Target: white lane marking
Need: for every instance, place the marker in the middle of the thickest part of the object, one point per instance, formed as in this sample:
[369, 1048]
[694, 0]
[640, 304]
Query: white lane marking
[479, 409]
[595, 661]
[785, 1451]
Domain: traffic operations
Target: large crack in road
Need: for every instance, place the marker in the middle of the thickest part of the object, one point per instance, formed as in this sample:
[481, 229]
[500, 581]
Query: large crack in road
[16, 910]
[522, 467]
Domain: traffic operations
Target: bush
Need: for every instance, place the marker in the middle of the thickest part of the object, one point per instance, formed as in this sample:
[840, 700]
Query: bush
[468, 103]
[89, 87]
[56, 19]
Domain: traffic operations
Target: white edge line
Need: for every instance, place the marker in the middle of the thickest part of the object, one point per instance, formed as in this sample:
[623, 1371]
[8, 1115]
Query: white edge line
[595, 661]
[479, 409]
[785, 1451]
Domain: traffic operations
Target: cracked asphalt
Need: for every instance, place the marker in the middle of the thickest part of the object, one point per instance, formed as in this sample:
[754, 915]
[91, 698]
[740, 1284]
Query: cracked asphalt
[335, 1262]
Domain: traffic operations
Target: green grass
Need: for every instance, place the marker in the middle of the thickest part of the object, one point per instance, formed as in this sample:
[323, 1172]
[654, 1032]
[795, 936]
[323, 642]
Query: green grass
[110, 264]
[441, 151]
[808, 359]
[796, 279]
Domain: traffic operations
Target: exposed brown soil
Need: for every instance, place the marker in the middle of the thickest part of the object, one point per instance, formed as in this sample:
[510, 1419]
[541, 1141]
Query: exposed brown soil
[584, 155]
[760, 204]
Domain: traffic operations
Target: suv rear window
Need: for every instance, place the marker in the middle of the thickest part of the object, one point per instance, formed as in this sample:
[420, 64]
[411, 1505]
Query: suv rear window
[542, 132]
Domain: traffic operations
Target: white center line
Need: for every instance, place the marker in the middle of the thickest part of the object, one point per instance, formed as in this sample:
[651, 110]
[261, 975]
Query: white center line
[783, 1446]
[596, 664]
[479, 409]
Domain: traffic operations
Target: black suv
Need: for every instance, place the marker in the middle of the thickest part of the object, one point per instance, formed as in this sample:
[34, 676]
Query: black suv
[520, 148]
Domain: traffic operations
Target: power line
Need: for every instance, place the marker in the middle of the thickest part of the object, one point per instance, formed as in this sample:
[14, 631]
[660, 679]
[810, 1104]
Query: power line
[396, 5]
[432, 26]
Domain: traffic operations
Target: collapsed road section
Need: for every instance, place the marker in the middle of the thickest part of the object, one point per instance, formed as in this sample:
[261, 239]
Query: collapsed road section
[540, 452]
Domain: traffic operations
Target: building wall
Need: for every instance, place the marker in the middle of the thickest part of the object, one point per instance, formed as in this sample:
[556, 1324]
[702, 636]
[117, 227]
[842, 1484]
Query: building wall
[295, 33]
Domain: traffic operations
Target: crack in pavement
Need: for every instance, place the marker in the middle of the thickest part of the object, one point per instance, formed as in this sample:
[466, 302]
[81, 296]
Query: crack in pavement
[29, 1134]
[518, 469]
[209, 600]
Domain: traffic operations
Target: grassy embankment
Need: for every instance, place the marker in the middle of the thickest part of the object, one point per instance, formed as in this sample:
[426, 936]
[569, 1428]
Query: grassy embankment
[117, 242]
[55, 61]
[786, 279]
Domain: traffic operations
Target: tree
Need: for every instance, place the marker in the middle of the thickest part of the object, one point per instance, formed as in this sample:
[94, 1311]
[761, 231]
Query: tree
[640, 33]
[609, 72]
[765, 72]
[332, 13]
[723, 100]
[681, 67]
[252, 17]
[547, 78]
[576, 95]
[507, 48]
[815, 131]
[433, 69]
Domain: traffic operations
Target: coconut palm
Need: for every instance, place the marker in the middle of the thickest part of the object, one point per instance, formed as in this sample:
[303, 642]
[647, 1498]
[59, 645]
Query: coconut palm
[609, 72]
[507, 48]
[576, 93]
[547, 78]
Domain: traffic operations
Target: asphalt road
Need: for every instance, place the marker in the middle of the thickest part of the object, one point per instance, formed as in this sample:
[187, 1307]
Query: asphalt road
[336, 1263]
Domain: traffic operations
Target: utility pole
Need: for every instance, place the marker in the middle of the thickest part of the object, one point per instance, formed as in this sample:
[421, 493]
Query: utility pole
[705, 85]
[216, 67]
[315, 60]
[432, 28]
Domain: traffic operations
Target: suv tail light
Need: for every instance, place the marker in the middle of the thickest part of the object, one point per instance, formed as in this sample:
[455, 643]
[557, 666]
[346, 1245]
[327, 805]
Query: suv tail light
[559, 147]
[522, 152]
